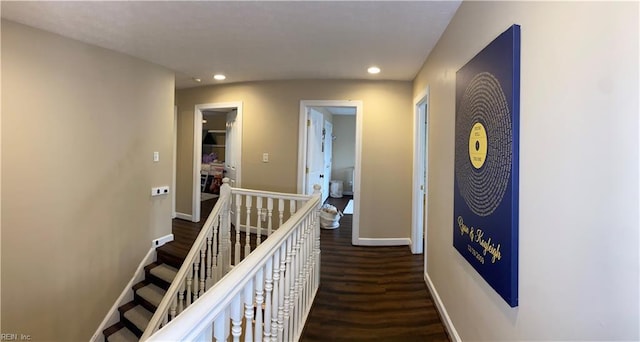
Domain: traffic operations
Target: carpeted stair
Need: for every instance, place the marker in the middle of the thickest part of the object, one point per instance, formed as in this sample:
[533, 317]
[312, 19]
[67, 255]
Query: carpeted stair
[135, 315]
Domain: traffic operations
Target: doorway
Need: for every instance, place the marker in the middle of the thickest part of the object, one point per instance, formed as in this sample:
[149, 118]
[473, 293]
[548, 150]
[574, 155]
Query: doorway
[420, 179]
[319, 163]
[315, 166]
[221, 153]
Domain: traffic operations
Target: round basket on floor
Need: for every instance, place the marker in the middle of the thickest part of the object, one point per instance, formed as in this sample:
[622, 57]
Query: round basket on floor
[330, 220]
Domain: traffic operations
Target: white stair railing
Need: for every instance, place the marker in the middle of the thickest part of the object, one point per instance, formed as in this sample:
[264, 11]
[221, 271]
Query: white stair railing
[267, 296]
[282, 276]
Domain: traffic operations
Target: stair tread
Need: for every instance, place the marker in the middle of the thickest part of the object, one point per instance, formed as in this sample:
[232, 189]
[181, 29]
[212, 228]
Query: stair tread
[152, 294]
[164, 272]
[122, 335]
[139, 316]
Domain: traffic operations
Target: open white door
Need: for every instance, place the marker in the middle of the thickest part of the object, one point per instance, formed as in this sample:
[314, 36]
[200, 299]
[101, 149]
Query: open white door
[420, 158]
[327, 147]
[233, 148]
[230, 163]
[315, 154]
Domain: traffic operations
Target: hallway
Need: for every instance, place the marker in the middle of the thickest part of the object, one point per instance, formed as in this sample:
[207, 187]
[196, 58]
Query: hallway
[370, 293]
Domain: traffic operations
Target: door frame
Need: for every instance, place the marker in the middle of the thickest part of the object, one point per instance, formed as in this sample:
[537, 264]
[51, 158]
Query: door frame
[420, 172]
[175, 162]
[302, 153]
[197, 149]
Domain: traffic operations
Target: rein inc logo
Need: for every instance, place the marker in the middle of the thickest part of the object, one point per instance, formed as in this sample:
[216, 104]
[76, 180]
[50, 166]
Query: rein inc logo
[15, 337]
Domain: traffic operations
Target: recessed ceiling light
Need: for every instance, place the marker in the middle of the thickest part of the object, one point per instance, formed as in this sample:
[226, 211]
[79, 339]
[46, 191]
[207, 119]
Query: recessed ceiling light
[197, 80]
[373, 70]
[219, 77]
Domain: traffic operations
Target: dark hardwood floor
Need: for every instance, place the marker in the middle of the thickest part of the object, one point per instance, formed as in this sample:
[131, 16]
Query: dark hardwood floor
[365, 294]
[184, 234]
[370, 293]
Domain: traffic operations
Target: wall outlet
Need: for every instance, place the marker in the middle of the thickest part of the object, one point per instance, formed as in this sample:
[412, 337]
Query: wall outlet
[265, 157]
[161, 190]
[156, 156]
[162, 240]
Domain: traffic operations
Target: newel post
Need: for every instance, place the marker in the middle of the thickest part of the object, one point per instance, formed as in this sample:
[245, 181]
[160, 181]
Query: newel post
[225, 225]
[317, 191]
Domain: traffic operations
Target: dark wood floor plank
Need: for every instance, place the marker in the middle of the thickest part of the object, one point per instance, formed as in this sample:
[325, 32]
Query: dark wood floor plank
[370, 293]
[365, 294]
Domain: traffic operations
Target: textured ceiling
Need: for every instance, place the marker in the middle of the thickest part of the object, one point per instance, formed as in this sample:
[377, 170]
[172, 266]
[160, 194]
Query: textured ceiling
[250, 41]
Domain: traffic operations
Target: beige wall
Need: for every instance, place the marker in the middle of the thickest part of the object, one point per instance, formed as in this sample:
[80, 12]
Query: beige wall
[80, 125]
[270, 115]
[578, 267]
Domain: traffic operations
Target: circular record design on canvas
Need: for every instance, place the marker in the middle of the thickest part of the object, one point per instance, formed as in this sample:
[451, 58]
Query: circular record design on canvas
[484, 152]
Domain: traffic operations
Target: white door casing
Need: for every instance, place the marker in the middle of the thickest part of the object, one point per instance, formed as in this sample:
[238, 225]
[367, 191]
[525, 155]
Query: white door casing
[235, 143]
[302, 154]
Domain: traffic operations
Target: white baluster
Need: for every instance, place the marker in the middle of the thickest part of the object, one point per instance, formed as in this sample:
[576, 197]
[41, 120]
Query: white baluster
[247, 244]
[316, 248]
[213, 256]
[276, 295]
[295, 309]
[209, 256]
[259, 301]
[224, 242]
[196, 269]
[268, 287]
[292, 207]
[269, 216]
[282, 288]
[259, 210]
[181, 298]
[309, 269]
[237, 227]
[165, 320]
[236, 318]
[280, 211]
[288, 284]
[174, 307]
[294, 281]
[300, 278]
[203, 258]
[189, 280]
[248, 311]
[219, 327]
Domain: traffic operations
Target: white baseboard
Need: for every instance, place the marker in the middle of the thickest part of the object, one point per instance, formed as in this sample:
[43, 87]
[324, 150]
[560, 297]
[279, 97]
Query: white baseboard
[384, 242]
[184, 216]
[444, 315]
[161, 240]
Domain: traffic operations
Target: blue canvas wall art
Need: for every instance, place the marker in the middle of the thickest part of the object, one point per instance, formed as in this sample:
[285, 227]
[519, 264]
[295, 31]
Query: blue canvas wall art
[485, 219]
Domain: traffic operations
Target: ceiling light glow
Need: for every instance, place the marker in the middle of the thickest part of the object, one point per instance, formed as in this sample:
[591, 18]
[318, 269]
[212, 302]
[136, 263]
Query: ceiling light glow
[195, 79]
[219, 77]
[373, 70]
